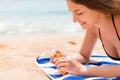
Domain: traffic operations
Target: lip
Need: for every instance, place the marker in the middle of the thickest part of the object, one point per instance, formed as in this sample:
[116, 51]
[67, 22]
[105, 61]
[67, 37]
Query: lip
[82, 23]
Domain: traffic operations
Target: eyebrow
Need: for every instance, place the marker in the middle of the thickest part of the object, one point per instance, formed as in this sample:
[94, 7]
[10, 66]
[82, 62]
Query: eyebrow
[76, 10]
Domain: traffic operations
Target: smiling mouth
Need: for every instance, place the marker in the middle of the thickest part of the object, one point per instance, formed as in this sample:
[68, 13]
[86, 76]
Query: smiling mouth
[82, 23]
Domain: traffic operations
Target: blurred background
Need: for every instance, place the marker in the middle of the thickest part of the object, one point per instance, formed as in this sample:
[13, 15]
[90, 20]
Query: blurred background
[36, 16]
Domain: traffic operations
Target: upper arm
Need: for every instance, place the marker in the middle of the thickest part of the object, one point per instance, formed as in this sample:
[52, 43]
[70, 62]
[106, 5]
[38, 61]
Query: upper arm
[89, 42]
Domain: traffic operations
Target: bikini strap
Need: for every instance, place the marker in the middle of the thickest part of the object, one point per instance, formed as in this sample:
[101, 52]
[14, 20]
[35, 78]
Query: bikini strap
[113, 21]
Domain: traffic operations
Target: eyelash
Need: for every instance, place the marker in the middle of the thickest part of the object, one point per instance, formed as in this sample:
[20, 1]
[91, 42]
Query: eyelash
[80, 13]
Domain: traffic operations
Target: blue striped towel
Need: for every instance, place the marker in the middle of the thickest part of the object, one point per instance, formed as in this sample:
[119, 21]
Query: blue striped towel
[51, 71]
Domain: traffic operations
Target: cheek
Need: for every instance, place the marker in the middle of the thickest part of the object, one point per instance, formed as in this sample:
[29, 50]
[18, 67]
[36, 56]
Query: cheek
[91, 19]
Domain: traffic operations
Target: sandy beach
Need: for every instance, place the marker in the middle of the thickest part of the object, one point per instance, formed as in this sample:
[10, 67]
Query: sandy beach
[18, 53]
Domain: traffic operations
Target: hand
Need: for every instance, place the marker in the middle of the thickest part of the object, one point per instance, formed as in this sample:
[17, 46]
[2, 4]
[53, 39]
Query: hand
[53, 55]
[70, 65]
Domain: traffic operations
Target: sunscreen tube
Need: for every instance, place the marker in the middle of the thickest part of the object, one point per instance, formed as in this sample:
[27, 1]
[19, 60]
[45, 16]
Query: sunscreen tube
[57, 55]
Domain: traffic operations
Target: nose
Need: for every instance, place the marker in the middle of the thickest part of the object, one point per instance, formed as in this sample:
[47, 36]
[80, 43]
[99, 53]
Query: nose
[75, 18]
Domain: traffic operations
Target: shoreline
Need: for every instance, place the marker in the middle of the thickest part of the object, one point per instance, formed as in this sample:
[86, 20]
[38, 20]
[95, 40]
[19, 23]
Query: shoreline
[18, 53]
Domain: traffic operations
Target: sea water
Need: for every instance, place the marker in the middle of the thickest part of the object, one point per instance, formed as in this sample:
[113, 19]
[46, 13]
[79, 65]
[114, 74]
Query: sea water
[36, 16]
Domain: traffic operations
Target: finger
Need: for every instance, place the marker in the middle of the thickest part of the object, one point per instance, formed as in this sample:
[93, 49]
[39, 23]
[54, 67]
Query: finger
[52, 58]
[61, 65]
[53, 53]
[62, 69]
[59, 60]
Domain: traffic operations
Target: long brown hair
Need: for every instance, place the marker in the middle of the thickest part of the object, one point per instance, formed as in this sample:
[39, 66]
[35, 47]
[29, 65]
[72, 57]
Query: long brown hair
[104, 6]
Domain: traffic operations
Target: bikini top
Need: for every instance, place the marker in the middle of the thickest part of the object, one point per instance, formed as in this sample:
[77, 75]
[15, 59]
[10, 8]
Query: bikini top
[117, 35]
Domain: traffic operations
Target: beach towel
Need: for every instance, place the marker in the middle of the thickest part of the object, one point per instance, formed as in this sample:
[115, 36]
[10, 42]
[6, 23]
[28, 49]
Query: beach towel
[51, 71]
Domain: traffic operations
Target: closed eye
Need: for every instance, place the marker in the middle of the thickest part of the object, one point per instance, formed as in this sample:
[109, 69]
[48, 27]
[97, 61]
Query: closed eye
[79, 13]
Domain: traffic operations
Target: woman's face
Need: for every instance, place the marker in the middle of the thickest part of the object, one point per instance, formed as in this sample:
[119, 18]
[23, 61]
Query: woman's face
[83, 15]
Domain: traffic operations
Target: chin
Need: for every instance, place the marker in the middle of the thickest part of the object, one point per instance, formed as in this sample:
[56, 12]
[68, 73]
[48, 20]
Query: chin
[83, 27]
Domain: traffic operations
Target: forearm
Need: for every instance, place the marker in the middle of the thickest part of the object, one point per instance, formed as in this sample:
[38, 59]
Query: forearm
[80, 58]
[102, 71]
